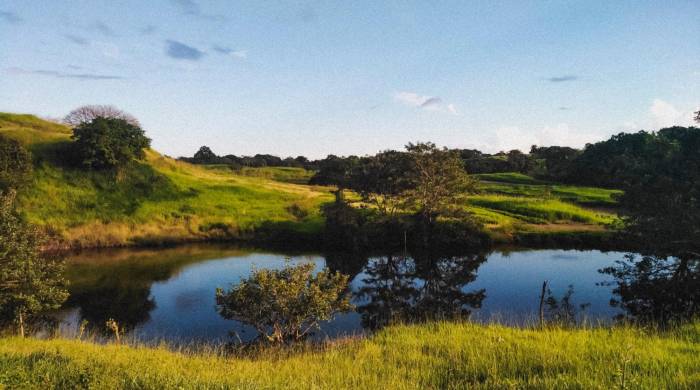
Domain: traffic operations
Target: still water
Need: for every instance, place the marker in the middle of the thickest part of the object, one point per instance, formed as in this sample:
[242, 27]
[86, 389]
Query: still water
[168, 294]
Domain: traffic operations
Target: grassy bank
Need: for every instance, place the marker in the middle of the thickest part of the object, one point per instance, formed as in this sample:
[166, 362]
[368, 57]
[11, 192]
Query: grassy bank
[162, 200]
[441, 355]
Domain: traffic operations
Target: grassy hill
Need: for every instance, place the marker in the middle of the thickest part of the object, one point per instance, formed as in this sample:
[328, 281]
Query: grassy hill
[430, 356]
[164, 200]
[159, 199]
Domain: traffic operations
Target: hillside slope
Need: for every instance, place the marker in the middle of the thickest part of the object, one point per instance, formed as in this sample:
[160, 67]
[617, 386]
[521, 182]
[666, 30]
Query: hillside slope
[156, 200]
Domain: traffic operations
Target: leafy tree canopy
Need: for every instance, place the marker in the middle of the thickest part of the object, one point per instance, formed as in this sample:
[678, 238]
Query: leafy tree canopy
[29, 284]
[109, 142]
[285, 305]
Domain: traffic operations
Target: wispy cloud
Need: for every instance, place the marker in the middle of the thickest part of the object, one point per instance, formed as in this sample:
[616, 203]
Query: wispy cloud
[62, 75]
[429, 103]
[10, 17]
[180, 51]
[240, 54]
[564, 108]
[148, 30]
[78, 40]
[192, 8]
[561, 79]
[103, 29]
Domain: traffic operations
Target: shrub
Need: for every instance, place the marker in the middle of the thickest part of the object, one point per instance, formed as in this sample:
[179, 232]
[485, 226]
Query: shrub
[109, 142]
[285, 305]
[15, 164]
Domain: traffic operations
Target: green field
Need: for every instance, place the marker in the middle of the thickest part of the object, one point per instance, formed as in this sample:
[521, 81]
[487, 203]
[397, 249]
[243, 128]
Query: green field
[433, 356]
[164, 200]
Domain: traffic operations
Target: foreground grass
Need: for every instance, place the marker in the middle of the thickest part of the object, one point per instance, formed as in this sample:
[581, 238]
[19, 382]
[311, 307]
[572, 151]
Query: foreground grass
[439, 355]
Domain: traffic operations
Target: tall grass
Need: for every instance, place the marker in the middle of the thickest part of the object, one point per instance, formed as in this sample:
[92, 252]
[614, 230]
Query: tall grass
[437, 355]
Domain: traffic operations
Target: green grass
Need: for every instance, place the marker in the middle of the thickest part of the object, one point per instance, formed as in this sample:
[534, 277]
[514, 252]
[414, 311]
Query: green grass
[537, 210]
[164, 200]
[158, 199]
[431, 356]
[509, 177]
[512, 203]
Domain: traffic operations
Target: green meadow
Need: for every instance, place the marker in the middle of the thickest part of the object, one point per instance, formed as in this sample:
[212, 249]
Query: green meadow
[161, 199]
[430, 356]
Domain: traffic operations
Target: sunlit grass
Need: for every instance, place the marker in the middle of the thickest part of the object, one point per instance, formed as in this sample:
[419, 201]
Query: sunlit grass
[437, 355]
[537, 210]
[159, 199]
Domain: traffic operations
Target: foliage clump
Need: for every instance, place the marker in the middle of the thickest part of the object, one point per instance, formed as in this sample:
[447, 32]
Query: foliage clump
[109, 143]
[15, 164]
[285, 305]
[29, 283]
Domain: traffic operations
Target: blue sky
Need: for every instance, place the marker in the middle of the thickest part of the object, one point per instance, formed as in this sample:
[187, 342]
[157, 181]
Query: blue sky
[314, 78]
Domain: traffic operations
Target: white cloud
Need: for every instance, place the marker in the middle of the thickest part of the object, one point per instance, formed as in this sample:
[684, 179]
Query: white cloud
[242, 54]
[428, 103]
[410, 98]
[664, 114]
[506, 138]
[452, 109]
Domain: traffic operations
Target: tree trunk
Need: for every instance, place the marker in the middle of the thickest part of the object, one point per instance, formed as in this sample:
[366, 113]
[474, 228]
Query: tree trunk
[544, 289]
[21, 324]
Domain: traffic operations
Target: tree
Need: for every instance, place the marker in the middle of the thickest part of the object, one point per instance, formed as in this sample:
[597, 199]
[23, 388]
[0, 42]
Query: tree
[87, 114]
[29, 284]
[109, 142]
[334, 170]
[557, 160]
[15, 164]
[285, 305]
[660, 207]
[438, 179]
[697, 116]
[382, 180]
[205, 156]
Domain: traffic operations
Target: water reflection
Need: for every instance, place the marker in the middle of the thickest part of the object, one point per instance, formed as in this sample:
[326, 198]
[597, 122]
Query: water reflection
[661, 290]
[402, 289]
[170, 293]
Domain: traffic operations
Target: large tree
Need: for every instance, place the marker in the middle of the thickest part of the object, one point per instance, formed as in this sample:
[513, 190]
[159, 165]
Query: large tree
[382, 180]
[15, 164]
[661, 211]
[109, 142]
[86, 114]
[29, 283]
[438, 179]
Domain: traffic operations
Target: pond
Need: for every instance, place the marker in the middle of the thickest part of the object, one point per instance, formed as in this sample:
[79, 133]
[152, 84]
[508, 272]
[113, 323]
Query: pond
[168, 294]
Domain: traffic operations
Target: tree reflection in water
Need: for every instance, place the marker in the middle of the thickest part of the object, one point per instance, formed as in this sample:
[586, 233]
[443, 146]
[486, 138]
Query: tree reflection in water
[402, 289]
[660, 290]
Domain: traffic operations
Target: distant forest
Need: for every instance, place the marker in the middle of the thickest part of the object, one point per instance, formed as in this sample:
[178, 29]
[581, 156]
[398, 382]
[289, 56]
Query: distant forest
[610, 163]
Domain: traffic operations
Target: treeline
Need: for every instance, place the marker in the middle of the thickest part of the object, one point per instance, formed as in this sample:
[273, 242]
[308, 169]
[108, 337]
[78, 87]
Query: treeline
[206, 156]
[611, 163]
[615, 163]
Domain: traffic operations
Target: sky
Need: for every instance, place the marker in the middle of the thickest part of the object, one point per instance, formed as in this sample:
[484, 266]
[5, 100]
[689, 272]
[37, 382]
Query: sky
[355, 77]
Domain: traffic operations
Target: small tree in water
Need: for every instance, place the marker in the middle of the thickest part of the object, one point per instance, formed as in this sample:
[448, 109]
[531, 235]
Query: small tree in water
[285, 305]
[29, 284]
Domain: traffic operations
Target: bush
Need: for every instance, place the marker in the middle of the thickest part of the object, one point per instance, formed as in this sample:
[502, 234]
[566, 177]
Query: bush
[109, 142]
[15, 164]
[285, 305]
